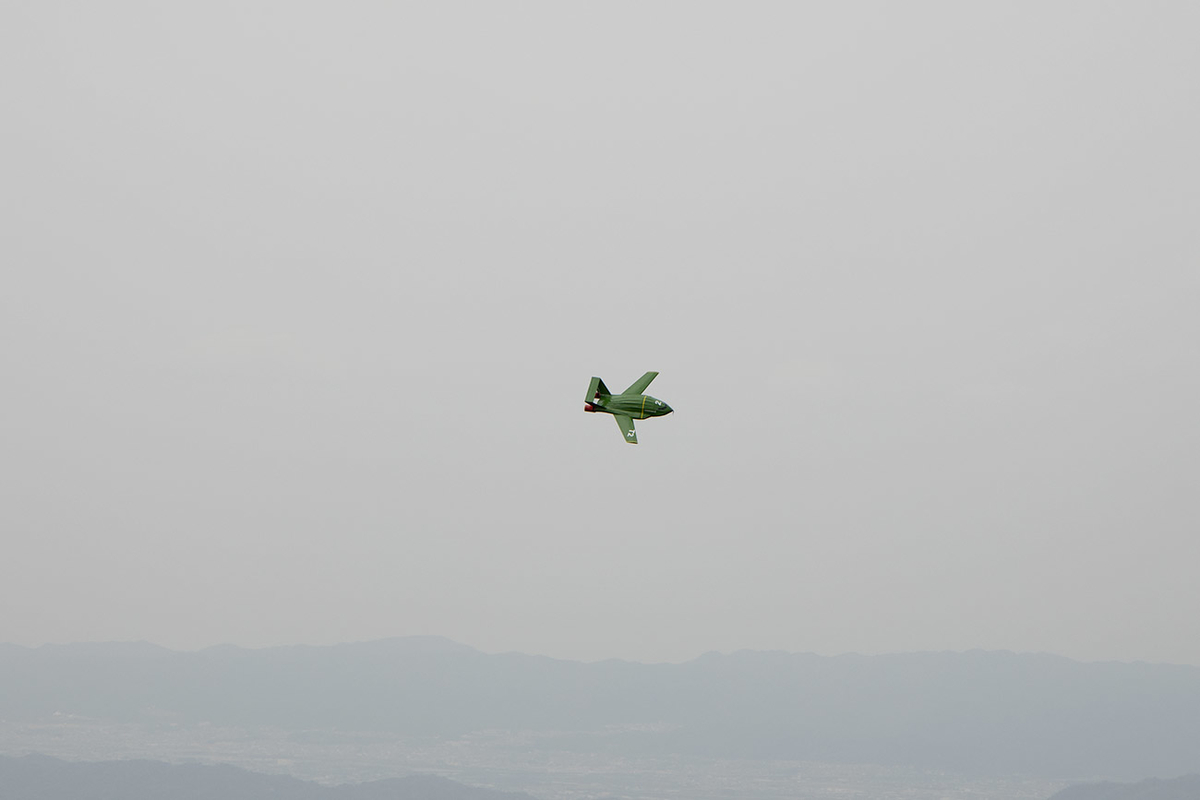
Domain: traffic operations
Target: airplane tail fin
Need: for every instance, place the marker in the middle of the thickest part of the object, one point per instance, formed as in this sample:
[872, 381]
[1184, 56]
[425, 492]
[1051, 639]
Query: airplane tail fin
[596, 391]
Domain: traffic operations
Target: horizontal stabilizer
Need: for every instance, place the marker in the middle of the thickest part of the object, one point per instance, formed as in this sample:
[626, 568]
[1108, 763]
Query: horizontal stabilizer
[596, 389]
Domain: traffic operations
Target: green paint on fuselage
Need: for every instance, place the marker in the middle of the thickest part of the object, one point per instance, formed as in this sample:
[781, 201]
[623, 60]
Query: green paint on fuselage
[635, 406]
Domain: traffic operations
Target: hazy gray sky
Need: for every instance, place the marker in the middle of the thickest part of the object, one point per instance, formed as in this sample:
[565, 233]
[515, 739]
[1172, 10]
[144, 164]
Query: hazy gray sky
[300, 301]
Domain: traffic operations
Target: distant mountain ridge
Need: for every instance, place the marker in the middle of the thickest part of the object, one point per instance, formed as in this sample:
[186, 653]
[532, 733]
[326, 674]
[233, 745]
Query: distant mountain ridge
[38, 777]
[982, 712]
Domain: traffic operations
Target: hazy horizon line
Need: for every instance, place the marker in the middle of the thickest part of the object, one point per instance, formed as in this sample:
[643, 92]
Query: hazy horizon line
[445, 640]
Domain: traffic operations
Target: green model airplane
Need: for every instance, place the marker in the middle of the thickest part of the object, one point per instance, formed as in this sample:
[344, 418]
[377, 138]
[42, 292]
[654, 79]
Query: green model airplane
[627, 406]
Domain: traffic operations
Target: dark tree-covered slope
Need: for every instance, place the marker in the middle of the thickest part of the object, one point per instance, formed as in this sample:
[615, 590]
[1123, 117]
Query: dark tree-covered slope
[37, 777]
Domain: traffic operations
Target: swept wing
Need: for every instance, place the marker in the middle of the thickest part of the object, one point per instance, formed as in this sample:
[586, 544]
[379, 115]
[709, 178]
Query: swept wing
[641, 383]
[626, 425]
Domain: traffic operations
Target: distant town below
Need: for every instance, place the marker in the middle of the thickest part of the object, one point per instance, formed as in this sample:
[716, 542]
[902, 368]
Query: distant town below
[991, 725]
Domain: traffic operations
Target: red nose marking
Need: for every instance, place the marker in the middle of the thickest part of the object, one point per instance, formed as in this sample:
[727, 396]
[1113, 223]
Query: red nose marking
[588, 407]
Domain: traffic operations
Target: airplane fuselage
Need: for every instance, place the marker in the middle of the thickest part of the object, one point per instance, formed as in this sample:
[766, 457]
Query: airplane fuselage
[634, 406]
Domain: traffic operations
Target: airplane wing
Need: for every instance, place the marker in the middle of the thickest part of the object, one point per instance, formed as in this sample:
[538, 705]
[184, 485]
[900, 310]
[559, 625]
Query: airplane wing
[626, 425]
[641, 383]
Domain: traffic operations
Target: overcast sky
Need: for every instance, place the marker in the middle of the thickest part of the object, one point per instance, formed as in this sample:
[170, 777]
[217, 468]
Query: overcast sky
[300, 302]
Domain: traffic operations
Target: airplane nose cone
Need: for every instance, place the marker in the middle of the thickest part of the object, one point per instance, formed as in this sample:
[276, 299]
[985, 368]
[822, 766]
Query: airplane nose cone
[667, 409]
